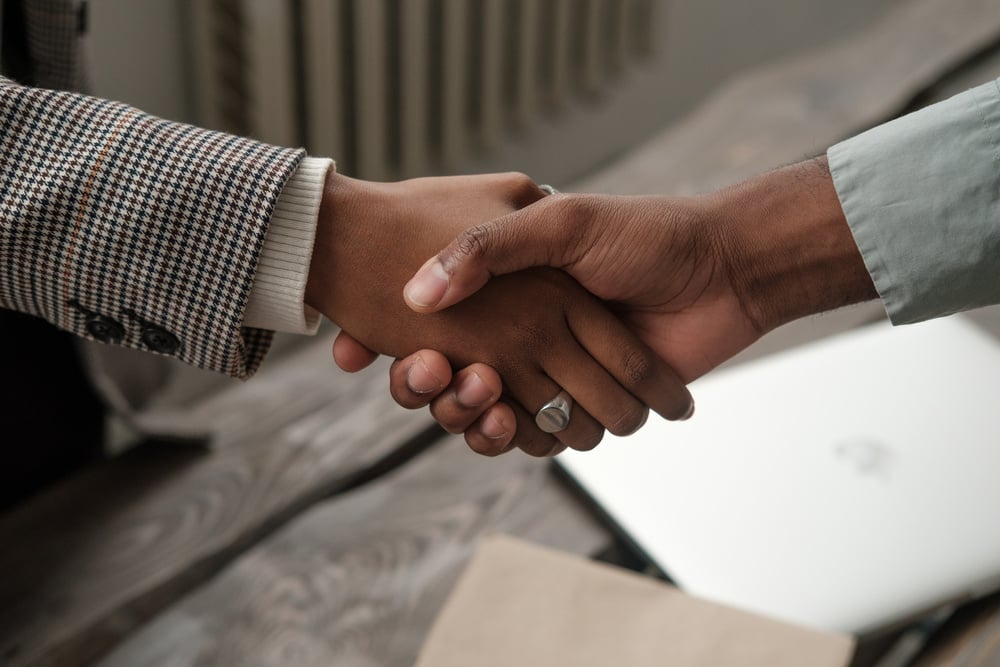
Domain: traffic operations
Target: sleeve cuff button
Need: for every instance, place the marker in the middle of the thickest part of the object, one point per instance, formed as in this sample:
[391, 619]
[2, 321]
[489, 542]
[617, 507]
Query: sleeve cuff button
[105, 329]
[160, 340]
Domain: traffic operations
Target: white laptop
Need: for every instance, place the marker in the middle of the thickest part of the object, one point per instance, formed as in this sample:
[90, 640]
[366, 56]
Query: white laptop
[848, 485]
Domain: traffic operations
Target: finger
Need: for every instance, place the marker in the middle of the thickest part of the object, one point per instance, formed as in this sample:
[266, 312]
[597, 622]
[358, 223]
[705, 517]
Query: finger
[529, 438]
[493, 433]
[418, 379]
[351, 355]
[537, 235]
[635, 367]
[593, 386]
[599, 393]
[533, 445]
[533, 390]
[474, 389]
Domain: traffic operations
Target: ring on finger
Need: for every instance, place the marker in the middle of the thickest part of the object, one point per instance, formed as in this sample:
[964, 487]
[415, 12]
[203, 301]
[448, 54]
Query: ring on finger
[553, 417]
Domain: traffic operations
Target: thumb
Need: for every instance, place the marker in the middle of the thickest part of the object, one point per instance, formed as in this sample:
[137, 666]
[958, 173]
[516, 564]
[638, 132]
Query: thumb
[532, 236]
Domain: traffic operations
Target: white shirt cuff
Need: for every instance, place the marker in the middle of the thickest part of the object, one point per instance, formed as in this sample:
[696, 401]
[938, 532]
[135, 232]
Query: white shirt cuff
[277, 300]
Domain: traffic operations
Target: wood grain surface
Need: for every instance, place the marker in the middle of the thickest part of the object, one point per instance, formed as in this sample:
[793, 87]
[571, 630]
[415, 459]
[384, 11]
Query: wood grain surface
[358, 579]
[86, 563]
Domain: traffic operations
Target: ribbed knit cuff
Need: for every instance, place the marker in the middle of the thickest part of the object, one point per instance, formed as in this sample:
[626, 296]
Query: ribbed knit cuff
[277, 301]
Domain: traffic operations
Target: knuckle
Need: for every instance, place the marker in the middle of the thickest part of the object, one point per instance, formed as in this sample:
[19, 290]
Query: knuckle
[522, 188]
[638, 367]
[474, 242]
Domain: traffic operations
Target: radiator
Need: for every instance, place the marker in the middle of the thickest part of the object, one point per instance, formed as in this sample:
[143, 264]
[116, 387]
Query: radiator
[397, 88]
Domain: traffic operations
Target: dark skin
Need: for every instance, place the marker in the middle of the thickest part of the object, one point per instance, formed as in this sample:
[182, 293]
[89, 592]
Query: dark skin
[539, 329]
[697, 279]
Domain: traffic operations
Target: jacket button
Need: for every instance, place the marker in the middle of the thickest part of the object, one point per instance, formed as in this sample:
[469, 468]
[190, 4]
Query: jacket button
[159, 339]
[105, 329]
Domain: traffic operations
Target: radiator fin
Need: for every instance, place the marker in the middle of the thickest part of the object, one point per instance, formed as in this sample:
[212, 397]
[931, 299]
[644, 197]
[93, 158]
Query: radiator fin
[399, 88]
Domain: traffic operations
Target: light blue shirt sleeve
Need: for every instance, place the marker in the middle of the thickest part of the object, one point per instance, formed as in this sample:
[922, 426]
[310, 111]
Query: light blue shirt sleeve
[922, 197]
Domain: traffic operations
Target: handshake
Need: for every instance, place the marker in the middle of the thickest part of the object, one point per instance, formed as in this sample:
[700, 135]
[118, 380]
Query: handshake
[566, 315]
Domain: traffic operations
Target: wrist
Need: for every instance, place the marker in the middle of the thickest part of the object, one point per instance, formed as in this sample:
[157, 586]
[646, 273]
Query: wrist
[332, 227]
[369, 239]
[788, 247]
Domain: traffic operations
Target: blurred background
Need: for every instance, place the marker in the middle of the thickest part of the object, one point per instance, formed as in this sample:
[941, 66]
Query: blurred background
[325, 525]
[400, 88]
[393, 89]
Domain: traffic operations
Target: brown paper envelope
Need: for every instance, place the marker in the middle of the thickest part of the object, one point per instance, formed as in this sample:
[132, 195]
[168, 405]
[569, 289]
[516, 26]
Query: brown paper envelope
[525, 605]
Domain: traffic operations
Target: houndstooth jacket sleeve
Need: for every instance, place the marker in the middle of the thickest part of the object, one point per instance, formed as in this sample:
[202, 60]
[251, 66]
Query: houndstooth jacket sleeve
[130, 229]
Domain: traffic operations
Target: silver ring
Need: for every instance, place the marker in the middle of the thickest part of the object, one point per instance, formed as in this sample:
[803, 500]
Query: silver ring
[548, 189]
[554, 415]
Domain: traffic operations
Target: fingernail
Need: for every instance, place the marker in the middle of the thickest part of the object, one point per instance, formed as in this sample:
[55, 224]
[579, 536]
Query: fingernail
[420, 380]
[427, 287]
[472, 391]
[689, 413]
[493, 428]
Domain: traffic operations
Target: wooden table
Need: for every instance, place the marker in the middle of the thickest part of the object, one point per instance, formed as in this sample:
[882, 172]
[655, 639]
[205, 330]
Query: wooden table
[326, 526]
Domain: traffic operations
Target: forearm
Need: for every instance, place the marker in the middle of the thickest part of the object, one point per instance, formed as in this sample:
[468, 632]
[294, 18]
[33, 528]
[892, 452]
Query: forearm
[789, 249]
[117, 224]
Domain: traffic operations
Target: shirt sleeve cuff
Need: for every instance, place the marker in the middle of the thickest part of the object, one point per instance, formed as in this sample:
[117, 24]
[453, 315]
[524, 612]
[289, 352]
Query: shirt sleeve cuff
[920, 197]
[277, 301]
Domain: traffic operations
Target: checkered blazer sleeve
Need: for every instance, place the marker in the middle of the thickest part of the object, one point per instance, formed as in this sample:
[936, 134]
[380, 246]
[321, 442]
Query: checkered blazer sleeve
[133, 230]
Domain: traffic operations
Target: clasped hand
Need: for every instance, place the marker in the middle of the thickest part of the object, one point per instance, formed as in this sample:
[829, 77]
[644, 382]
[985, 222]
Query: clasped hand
[675, 286]
[539, 329]
[644, 294]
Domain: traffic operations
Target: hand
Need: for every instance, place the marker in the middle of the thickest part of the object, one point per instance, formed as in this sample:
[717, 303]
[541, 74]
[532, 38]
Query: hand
[465, 403]
[539, 329]
[698, 279]
[657, 261]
